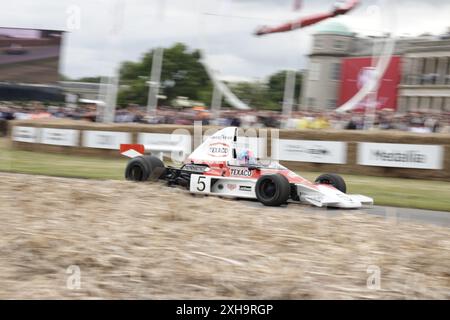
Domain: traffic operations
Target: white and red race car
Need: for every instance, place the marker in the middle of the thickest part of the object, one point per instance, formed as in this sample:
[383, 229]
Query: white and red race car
[215, 168]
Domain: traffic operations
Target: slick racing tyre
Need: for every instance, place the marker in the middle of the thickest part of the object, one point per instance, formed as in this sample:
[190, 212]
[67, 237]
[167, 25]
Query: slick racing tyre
[158, 170]
[334, 180]
[273, 190]
[144, 168]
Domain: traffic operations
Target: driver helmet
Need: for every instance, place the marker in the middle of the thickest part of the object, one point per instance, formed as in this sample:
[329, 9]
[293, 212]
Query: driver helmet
[246, 157]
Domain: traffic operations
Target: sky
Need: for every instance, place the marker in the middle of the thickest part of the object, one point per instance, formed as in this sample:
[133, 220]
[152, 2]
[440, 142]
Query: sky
[102, 33]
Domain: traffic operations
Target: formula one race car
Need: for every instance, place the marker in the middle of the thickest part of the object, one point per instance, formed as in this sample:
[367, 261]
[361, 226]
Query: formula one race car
[218, 168]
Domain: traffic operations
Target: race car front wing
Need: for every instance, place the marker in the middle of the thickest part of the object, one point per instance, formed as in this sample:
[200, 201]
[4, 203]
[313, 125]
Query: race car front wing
[319, 195]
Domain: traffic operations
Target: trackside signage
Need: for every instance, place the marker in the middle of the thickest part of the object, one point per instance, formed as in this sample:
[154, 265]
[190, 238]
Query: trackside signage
[105, 139]
[415, 156]
[332, 152]
[60, 137]
[25, 134]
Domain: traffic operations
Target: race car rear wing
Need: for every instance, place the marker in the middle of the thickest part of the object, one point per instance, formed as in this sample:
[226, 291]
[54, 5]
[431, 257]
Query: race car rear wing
[221, 146]
[132, 150]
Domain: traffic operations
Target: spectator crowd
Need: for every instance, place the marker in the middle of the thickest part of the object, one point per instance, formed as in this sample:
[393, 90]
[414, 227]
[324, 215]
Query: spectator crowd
[423, 122]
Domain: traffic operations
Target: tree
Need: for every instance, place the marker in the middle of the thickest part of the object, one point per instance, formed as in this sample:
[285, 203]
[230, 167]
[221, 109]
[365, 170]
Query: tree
[84, 79]
[276, 84]
[254, 94]
[182, 75]
[97, 79]
[268, 95]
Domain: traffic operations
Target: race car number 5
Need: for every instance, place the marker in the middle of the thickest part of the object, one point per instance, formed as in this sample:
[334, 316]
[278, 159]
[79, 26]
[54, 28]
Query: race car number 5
[201, 184]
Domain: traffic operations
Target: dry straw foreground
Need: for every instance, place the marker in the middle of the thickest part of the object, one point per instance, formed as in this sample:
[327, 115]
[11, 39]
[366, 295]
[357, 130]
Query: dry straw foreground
[150, 241]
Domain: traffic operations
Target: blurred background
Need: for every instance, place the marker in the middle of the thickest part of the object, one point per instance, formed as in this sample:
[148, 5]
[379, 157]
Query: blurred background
[159, 62]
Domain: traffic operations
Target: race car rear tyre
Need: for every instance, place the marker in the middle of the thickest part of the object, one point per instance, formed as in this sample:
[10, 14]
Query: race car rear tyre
[273, 190]
[335, 180]
[144, 168]
[137, 169]
[158, 170]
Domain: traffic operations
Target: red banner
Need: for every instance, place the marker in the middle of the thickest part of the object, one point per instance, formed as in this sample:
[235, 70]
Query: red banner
[357, 71]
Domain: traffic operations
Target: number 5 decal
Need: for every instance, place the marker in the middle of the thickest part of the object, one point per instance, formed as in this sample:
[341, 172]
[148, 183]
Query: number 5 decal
[201, 186]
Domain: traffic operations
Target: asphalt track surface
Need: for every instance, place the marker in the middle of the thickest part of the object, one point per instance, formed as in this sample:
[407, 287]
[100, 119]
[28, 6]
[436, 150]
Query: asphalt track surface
[438, 218]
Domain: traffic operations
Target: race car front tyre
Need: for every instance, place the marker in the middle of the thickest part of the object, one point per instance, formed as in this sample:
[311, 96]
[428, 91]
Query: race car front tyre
[144, 168]
[333, 179]
[273, 190]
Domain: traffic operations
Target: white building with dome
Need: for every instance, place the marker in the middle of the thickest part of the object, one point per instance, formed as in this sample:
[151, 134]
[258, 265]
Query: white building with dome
[425, 69]
[331, 43]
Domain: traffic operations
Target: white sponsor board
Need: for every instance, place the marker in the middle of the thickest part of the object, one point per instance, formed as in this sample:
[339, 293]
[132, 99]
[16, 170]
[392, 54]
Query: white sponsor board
[414, 156]
[25, 134]
[60, 137]
[176, 146]
[105, 139]
[333, 152]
